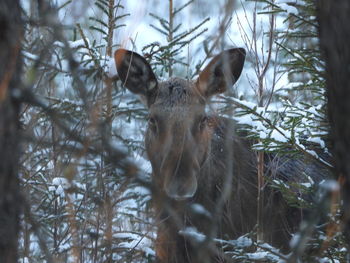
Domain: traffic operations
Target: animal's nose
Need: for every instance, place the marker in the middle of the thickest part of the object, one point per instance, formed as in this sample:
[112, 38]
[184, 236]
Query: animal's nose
[181, 187]
[180, 168]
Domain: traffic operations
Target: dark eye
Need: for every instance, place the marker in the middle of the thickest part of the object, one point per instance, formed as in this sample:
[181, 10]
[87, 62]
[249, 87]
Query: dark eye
[152, 123]
[203, 123]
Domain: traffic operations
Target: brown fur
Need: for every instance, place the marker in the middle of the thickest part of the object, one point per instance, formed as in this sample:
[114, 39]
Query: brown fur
[198, 159]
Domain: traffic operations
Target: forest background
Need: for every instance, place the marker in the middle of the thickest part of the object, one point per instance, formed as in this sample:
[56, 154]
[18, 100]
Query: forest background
[82, 193]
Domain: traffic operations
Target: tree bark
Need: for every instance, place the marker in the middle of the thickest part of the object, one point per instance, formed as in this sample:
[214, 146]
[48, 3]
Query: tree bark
[334, 34]
[10, 69]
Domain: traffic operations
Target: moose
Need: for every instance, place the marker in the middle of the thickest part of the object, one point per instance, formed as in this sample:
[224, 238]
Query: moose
[205, 174]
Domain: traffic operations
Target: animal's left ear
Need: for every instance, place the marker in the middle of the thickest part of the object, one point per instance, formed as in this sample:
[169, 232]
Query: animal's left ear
[222, 72]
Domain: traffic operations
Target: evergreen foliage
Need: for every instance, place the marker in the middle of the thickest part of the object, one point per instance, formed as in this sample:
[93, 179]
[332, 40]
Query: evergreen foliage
[291, 121]
[86, 199]
[168, 56]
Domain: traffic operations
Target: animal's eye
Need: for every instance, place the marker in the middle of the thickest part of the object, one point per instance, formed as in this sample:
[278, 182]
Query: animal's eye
[152, 123]
[203, 123]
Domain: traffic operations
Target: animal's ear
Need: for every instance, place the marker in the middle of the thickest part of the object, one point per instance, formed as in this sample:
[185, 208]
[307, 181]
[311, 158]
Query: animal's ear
[136, 74]
[222, 72]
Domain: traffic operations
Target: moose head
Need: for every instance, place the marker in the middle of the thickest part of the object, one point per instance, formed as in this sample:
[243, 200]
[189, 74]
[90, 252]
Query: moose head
[178, 137]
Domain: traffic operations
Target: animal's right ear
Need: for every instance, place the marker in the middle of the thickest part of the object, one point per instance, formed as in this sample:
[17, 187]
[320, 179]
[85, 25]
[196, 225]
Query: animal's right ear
[136, 74]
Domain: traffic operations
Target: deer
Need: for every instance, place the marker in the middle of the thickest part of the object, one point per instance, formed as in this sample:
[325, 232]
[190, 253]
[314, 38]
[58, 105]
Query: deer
[205, 174]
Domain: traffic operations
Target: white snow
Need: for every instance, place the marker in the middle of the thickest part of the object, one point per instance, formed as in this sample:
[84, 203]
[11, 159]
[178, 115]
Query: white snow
[280, 137]
[330, 185]
[140, 190]
[328, 260]
[29, 55]
[72, 44]
[111, 68]
[61, 181]
[60, 191]
[307, 185]
[258, 255]
[193, 233]
[317, 140]
[199, 209]
[78, 43]
[288, 8]
[137, 242]
[243, 242]
[139, 30]
[295, 240]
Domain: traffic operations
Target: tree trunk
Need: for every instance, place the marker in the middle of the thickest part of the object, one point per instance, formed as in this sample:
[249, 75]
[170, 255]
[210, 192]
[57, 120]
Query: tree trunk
[10, 67]
[334, 33]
